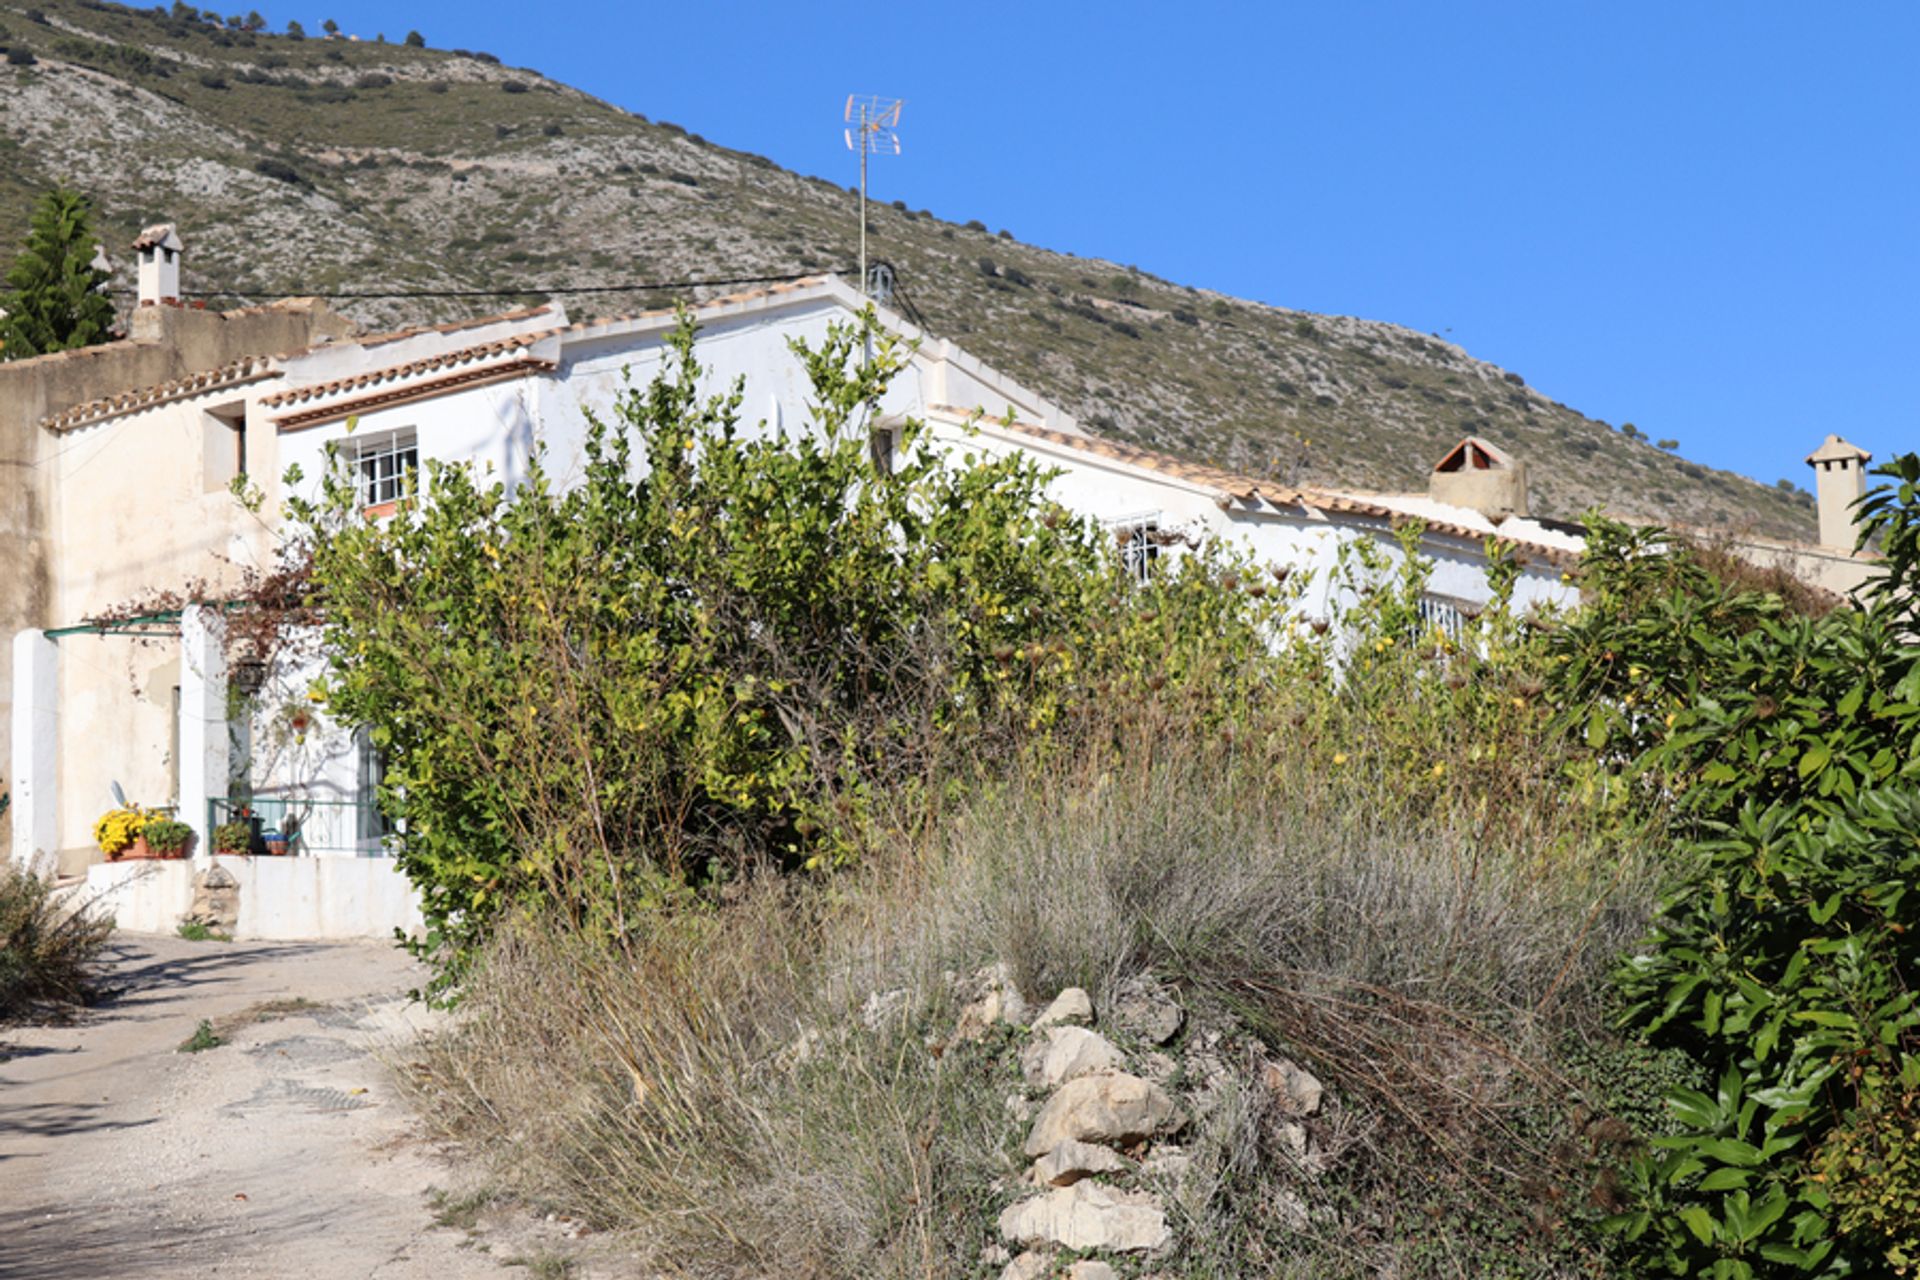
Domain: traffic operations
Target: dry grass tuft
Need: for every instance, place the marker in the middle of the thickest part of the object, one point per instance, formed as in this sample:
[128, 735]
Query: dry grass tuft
[47, 946]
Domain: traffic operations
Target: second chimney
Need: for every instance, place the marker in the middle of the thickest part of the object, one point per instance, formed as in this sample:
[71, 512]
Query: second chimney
[1840, 477]
[158, 251]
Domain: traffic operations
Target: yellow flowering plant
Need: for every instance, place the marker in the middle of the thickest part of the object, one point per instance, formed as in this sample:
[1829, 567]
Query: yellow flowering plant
[119, 828]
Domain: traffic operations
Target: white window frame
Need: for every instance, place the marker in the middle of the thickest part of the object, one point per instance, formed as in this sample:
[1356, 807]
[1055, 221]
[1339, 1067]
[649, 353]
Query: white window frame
[392, 456]
[1141, 551]
[1449, 615]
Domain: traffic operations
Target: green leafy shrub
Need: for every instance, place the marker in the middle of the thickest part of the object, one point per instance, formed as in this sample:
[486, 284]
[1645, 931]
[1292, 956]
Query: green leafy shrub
[1784, 956]
[204, 1037]
[232, 837]
[167, 836]
[1870, 1169]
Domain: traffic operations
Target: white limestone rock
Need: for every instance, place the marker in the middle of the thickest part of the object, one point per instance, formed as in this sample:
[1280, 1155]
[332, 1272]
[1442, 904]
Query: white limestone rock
[1072, 1007]
[1167, 1165]
[1295, 1088]
[1115, 1109]
[991, 998]
[1087, 1216]
[1031, 1265]
[1065, 1053]
[1071, 1161]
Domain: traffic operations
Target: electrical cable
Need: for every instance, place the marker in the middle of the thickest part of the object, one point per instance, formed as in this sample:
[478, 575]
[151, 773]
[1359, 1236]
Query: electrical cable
[906, 305]
[507, 291]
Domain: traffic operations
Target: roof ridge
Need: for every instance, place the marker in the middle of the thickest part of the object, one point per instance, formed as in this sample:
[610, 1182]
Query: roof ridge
[453, 326]
[724, 300]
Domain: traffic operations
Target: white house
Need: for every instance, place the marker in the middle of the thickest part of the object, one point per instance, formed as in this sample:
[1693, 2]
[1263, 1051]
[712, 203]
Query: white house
[144, 704]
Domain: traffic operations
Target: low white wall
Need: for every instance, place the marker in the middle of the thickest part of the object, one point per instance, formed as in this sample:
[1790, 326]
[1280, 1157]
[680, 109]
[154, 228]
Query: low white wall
[281, 899]
[145, 896]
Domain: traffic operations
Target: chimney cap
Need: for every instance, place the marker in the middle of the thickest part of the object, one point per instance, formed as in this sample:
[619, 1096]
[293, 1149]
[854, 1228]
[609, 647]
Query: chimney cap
[160, 235]
[1476, 453]
[1837, 450]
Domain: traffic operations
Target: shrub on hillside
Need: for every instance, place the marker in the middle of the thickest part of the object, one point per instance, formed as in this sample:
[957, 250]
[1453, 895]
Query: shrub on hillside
[279, 170]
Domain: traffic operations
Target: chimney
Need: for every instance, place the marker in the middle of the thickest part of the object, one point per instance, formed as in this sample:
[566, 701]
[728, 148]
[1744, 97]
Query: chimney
[158, 251]
[1840, 477]
[1480, 476]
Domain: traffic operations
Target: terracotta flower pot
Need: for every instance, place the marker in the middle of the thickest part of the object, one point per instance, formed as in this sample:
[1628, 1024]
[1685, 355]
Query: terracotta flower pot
[140, 850]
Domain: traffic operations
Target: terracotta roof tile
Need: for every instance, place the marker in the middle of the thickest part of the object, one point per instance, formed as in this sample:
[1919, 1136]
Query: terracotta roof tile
[239, 372]
[156, 234]
[394, 373]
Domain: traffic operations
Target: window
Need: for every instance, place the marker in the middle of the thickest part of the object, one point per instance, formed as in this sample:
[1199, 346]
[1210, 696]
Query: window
[882, 443]
[371, 826]
[1446, 615]
[381, 465]
[1139, 542]
[225, 451]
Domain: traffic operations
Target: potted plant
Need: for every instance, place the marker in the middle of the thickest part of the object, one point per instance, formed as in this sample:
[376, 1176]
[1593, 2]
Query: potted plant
[118, 831]
[233, 837]
[167, 837]
[276, 841]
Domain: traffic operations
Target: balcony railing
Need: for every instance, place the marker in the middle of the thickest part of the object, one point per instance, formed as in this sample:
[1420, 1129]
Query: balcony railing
[332, 828]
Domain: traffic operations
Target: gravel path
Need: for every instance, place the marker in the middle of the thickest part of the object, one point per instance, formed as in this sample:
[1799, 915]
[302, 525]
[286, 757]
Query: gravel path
[284, 1152]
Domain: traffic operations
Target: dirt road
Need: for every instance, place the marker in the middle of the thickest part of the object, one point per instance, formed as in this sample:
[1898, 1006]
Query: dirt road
[284, 1152]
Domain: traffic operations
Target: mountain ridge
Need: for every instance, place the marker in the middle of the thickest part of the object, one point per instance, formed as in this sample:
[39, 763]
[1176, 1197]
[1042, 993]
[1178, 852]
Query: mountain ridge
[331, 166]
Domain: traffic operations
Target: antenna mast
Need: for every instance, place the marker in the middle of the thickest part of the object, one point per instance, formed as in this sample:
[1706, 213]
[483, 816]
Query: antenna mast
[871, 121]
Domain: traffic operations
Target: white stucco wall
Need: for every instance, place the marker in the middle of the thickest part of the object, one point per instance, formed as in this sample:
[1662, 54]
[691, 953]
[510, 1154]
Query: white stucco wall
[116, 725]
[280, 899]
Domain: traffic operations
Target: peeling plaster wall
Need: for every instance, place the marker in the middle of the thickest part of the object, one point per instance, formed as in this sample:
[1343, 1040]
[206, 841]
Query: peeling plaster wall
[38, 468]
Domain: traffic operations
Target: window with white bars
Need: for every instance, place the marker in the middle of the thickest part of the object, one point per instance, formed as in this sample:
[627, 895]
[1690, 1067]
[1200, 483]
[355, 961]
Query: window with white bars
[381, 465]
[1139, 544]
[1445, 615]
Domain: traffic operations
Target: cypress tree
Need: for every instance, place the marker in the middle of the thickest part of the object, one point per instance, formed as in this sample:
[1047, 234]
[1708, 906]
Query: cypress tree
[52, 300]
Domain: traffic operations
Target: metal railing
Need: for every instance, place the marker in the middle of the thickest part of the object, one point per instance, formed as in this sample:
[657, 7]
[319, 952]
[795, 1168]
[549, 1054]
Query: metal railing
[309, 826]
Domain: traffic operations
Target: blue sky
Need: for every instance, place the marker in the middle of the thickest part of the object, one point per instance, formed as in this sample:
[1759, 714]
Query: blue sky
[1697, 217]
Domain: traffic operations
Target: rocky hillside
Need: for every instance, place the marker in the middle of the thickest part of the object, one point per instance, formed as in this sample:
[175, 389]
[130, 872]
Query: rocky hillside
[336, 166]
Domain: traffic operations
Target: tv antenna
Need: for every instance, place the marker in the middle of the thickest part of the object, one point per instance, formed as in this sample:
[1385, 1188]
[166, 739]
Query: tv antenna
[871, 122]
